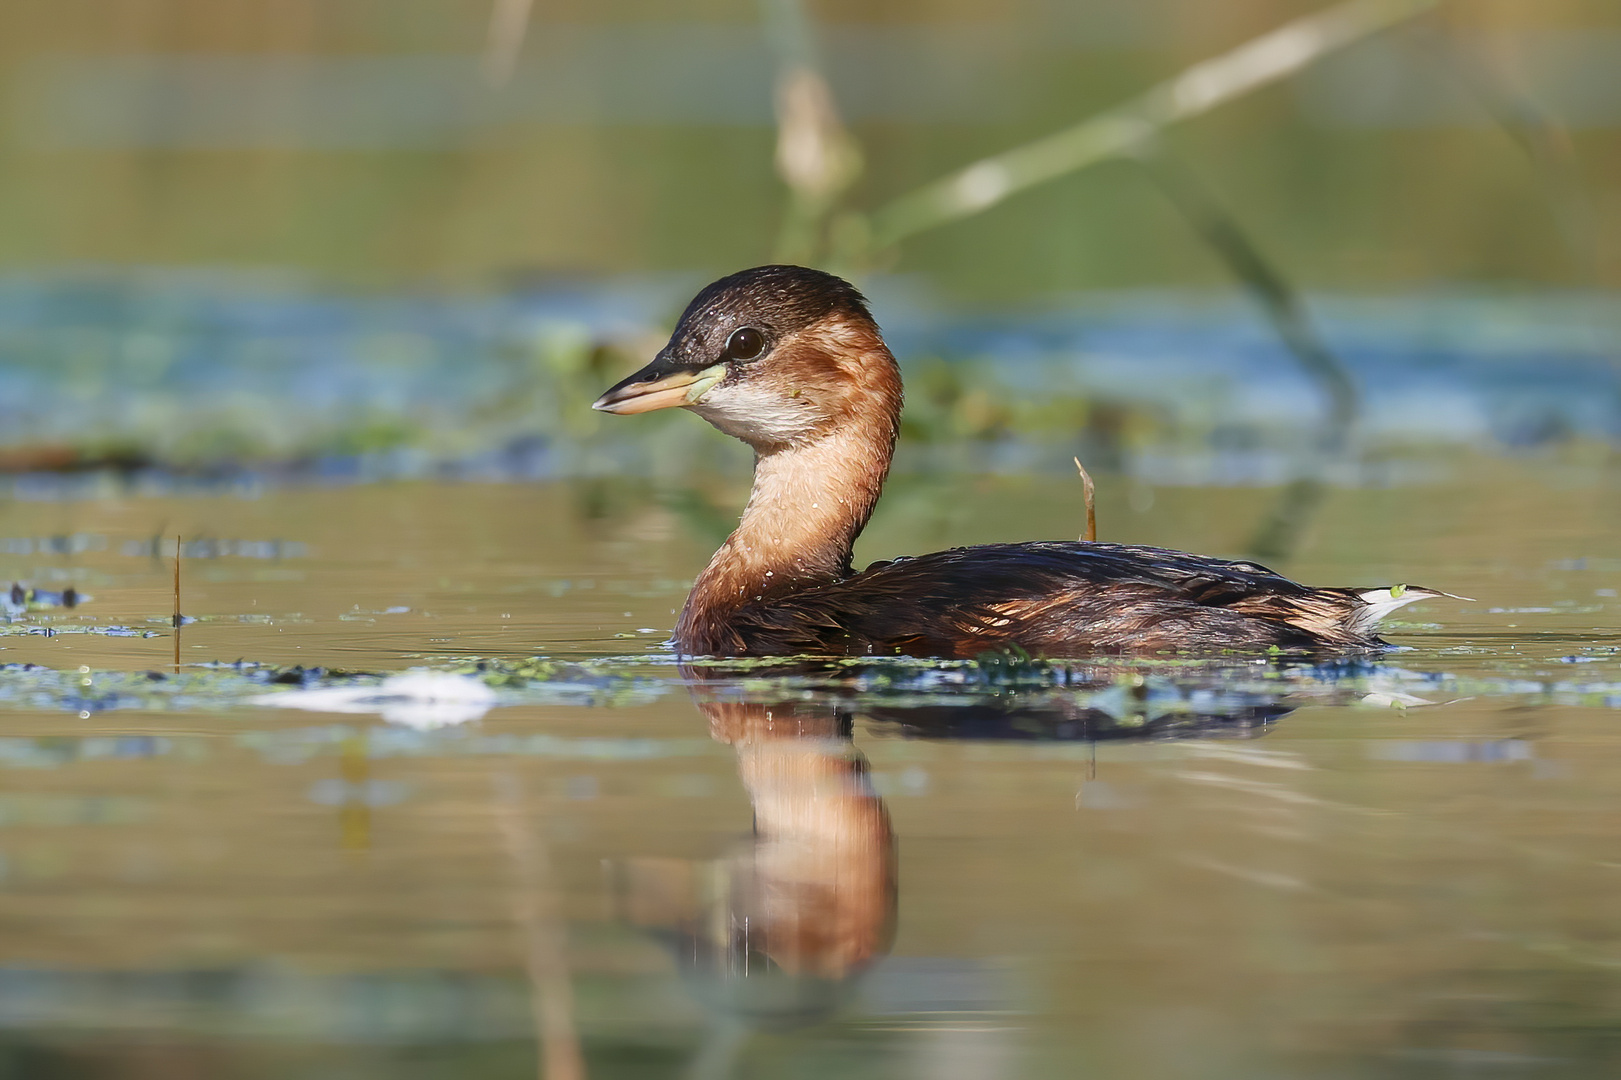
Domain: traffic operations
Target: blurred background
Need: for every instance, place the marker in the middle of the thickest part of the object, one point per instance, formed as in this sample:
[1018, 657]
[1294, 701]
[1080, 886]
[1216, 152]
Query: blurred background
[363, 238]
[1331, 284]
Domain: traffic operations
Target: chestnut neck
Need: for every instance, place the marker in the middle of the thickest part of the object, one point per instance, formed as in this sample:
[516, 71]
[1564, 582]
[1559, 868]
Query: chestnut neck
[811, 499]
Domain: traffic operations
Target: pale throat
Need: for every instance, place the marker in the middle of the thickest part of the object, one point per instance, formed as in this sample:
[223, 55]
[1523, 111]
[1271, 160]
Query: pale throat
[809, 503]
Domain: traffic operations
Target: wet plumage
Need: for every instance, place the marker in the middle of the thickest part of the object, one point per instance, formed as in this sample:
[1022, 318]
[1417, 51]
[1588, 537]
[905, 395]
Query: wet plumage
[1051, 598]
[790, 361]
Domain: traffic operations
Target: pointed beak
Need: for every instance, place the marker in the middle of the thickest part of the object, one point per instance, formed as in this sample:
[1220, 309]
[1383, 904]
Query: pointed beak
[657, 387]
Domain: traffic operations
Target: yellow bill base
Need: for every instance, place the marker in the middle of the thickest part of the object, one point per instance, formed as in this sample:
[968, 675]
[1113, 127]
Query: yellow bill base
[682, 388]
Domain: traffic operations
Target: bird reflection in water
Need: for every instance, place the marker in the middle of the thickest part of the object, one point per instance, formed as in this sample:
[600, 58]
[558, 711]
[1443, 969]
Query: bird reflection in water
[773, 934]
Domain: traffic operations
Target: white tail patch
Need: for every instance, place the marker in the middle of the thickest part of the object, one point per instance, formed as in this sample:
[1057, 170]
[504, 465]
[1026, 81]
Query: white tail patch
[1382, 602]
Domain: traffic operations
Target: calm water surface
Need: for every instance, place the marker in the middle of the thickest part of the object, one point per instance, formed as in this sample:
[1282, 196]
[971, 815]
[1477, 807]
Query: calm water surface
[501, 832]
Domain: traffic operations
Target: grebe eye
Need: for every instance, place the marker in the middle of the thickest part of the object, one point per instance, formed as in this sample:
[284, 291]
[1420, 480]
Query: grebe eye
[745, 344]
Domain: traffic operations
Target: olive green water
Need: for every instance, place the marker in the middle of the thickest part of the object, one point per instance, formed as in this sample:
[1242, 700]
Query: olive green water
[602, 865]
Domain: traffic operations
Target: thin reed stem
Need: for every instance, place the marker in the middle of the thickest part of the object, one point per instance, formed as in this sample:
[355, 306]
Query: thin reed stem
[1257, 63]
[509, 25]
[1091, 533]
[177, 616]
[1278, 300]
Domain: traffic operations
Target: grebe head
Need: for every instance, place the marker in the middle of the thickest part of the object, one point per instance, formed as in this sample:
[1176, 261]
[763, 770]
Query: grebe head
[773, 356]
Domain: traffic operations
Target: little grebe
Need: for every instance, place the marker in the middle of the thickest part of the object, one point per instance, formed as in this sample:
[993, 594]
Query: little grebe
[789, 360]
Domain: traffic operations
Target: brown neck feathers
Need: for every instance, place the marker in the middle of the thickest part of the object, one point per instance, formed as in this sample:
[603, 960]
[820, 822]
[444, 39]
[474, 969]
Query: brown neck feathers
[811, 497]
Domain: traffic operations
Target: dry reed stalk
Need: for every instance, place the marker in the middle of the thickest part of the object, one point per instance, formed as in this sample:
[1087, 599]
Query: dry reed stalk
[1200, 88]
[1091, 533]
[817, 157]
[509, 24]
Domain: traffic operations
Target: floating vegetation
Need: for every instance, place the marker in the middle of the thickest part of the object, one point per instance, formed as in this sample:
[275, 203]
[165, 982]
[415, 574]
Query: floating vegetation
[84, 691]
[1001, 695]
[58, 629]
[215, 686]
[429, 698]
[1014, 695]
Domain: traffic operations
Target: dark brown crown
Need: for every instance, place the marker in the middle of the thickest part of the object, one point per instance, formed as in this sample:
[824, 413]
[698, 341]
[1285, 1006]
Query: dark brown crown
[776, 300]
